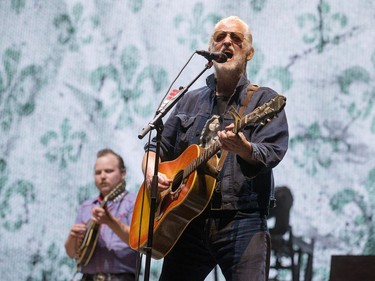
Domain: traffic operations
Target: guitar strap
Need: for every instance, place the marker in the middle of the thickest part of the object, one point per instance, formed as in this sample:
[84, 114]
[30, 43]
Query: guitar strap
[216, 197]
[251, 89]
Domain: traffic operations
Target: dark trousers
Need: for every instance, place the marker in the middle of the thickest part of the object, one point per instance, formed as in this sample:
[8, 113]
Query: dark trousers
[237, 241]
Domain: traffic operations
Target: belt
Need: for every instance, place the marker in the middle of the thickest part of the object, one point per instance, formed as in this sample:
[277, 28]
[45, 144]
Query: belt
[108, 277]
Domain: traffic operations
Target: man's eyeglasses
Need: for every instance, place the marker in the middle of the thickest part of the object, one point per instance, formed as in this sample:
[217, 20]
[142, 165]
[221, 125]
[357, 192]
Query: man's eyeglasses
[236, 37]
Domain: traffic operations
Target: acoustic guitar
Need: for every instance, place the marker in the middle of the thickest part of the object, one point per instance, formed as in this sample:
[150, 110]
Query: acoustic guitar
[88, 245]
[189, 193]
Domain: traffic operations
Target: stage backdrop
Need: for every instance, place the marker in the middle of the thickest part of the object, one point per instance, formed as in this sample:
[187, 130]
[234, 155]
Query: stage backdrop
[78, 76]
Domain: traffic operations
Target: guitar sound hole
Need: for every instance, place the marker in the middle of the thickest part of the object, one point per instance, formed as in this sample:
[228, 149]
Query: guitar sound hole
[177, 181]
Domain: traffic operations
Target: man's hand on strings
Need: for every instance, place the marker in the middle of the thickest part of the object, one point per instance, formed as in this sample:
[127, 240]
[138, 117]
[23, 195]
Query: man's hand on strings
[149, 162]
[78, 231]
[101, 216]
[236, 143]
[163, 181]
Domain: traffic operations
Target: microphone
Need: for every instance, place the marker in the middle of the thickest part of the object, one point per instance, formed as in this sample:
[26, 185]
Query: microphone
[218, 57]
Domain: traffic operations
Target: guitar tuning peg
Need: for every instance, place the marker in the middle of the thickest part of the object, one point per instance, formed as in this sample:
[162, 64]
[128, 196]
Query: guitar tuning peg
[268, 120]
[262, 123]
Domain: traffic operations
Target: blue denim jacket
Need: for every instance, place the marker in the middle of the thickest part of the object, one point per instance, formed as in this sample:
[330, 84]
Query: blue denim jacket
[242, 185]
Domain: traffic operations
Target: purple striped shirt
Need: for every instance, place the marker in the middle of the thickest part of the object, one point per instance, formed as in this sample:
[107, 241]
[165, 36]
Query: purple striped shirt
[111, 254]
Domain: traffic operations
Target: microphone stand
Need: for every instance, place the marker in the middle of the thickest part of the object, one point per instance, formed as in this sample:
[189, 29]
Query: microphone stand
[157, 124]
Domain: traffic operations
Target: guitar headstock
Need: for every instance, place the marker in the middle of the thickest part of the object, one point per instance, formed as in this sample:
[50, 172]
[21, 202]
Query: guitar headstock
[264, 113]
[115, 192]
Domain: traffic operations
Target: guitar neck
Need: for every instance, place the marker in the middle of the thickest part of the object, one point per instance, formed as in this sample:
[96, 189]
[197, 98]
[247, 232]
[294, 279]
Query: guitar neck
[261, 114]
[214, 148]
[201, 159]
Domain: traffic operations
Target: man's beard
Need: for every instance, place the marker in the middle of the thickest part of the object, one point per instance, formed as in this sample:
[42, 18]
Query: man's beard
[236, 67]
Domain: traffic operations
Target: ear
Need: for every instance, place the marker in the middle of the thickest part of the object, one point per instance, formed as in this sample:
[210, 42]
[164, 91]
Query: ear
[250, 54]
[123, 174]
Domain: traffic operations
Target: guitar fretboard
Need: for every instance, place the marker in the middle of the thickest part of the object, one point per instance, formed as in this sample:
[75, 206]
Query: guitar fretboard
[259, 114]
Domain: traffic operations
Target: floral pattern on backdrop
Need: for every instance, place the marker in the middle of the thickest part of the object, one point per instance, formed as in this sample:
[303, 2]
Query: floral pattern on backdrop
[77, 76]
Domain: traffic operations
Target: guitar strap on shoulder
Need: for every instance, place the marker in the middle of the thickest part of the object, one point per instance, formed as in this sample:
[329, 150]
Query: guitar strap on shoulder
[251, 89]
[216, 197]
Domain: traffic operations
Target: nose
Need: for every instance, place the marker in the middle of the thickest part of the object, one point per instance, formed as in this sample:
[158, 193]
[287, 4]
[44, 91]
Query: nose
[227, 40]
[102, 175]
[227, 35]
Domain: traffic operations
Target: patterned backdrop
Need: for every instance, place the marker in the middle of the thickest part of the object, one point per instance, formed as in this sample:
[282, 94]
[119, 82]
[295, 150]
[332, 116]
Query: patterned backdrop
[77, 76]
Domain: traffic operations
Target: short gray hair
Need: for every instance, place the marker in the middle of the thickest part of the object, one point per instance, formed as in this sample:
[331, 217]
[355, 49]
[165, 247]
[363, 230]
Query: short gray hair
[248, 35]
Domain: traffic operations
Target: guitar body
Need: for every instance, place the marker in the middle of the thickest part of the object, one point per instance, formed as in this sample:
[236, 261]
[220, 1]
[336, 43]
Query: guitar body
[88, 245]
[176, 208]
